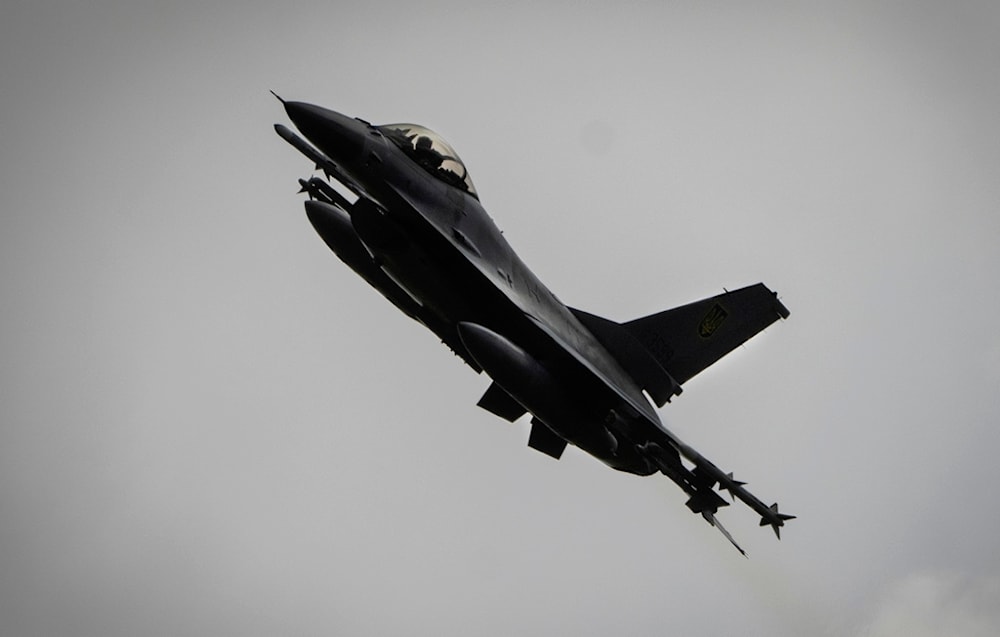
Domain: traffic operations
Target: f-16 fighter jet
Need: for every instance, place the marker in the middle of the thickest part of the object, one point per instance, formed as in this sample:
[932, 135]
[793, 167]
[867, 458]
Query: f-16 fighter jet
[407, 218]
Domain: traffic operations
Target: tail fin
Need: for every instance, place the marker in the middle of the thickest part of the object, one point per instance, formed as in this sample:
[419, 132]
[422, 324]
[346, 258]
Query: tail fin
[665, 350]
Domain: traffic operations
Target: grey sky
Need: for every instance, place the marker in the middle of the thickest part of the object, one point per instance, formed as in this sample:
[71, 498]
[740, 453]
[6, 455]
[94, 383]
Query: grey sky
[185, 451]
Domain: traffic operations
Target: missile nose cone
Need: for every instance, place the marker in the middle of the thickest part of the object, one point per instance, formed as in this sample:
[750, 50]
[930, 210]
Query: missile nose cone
[340, 137]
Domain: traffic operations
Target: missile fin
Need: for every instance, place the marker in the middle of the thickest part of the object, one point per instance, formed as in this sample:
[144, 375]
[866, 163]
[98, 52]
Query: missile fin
[775, 520]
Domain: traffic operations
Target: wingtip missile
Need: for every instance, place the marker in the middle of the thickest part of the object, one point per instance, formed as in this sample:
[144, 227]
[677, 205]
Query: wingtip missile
[321, 161]
[730, 484]
[285, 133]
[775, 519]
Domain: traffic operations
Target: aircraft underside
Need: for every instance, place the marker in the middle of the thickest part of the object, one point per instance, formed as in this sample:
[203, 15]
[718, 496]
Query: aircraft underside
[417, 233]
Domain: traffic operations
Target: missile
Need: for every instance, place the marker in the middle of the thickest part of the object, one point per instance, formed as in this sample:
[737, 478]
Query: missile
[319, 189]
[324, 163]
[774, 519]
[301, 145]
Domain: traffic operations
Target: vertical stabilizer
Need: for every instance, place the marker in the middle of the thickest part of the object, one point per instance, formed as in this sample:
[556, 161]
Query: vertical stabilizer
[665, 350]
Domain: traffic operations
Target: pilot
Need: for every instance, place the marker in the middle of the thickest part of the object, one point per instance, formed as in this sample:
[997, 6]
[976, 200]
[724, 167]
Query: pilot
[425, 155]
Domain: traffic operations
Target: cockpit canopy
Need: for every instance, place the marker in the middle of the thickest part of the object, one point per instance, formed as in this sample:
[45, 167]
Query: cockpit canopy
[435, 155]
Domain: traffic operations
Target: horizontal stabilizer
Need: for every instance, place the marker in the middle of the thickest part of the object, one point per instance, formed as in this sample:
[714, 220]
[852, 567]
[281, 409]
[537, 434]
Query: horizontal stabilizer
[500, 403]
[687, 339]
[543, 439]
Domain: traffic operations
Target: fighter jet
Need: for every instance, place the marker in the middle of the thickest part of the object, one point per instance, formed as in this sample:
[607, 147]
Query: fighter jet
[402, 212]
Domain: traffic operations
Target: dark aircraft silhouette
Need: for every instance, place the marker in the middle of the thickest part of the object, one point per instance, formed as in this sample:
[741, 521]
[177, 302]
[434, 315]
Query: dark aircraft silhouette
[416, 232]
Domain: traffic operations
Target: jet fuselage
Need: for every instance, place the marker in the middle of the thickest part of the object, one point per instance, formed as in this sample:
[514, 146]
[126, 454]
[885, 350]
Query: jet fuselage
[418, 234]
[438, 243]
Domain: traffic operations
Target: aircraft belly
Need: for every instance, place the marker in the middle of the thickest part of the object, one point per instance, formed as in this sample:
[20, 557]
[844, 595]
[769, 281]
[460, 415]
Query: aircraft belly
[497, 290]
[574, 406]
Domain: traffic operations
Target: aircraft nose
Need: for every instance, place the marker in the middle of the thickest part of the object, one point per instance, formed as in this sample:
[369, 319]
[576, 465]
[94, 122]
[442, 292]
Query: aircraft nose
[340, 137]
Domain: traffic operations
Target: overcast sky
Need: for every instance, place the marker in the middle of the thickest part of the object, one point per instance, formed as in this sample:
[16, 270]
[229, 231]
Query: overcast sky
[210, 426]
